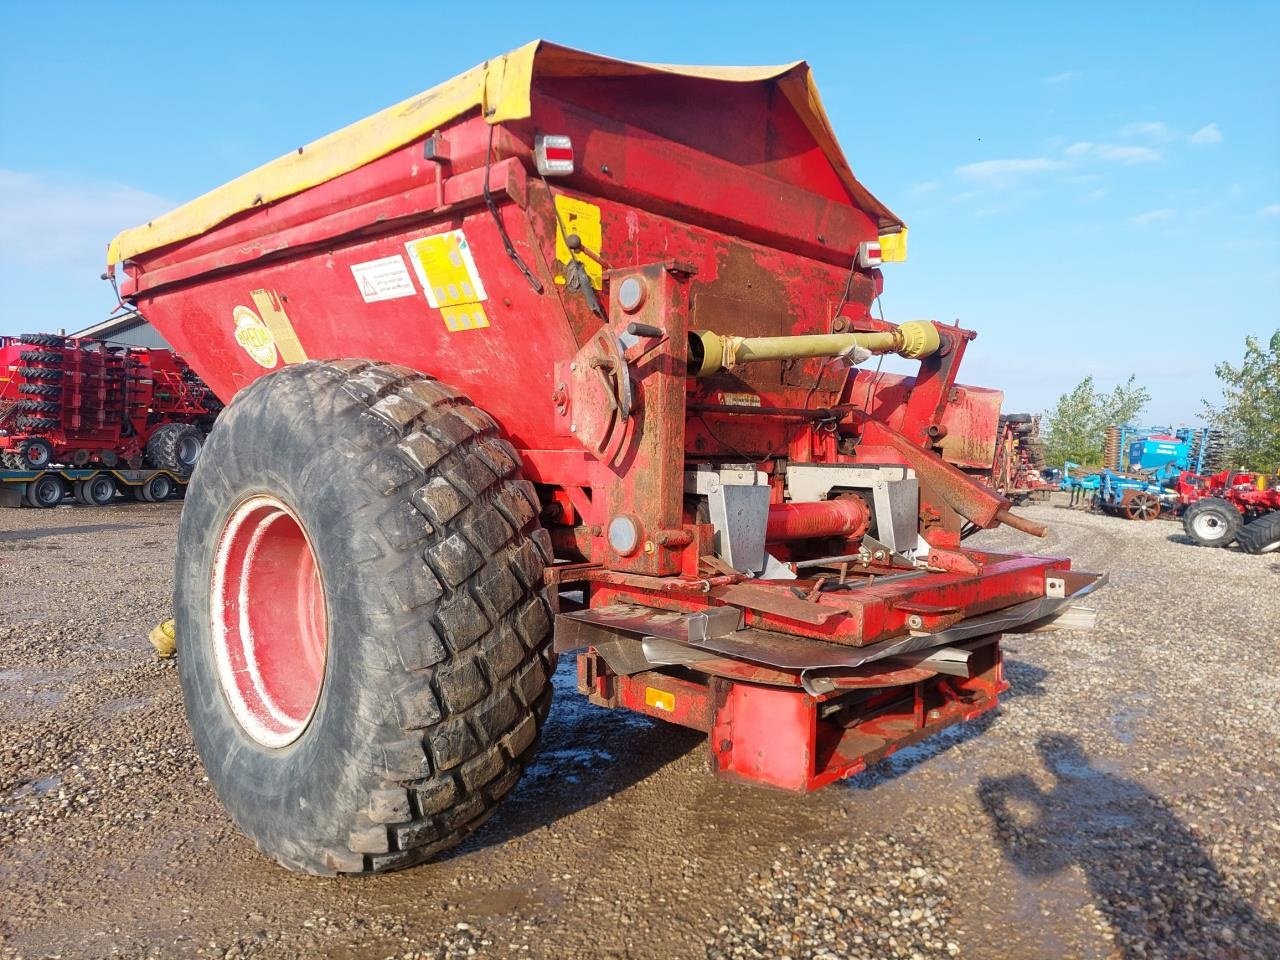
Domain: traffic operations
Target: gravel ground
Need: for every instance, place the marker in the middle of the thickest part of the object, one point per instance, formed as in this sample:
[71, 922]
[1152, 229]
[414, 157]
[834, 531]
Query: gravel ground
[1122, 803]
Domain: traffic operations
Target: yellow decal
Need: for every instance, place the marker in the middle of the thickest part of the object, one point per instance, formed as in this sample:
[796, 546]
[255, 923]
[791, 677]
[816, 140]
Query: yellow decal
[253, 335]
[277, 321]
[450, 279]
[464, 316]
[660, 699]
[893, 246]
[582, 218]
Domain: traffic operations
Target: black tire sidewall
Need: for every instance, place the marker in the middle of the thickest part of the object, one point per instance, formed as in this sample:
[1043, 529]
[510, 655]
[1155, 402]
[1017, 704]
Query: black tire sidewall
[298, 800]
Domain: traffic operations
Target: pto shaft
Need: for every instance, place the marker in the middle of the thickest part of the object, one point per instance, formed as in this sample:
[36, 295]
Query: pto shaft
[711, 352]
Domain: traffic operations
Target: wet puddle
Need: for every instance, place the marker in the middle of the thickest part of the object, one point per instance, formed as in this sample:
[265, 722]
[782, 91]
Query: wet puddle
[31, 690]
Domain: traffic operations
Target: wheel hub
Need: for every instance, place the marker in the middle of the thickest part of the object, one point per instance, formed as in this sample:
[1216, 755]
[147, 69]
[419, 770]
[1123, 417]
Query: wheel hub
[188, 451]
[269, 627]
[1206, 525]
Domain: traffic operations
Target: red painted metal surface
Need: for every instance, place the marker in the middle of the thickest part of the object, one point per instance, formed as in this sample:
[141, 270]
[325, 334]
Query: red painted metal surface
[784, 737]
[728, 216]
[92, 402]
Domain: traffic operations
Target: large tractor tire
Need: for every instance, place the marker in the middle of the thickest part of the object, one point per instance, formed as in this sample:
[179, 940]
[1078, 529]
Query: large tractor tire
[1261, 534]
[175, 447]
[363, 635]
[1212, 522]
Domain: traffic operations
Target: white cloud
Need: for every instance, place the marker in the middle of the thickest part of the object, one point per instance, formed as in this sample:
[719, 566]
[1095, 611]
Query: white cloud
[1096, 194]
[1270, 210]
[52, 220]
[927, 186]
[1156, 130]
[1120, 154]
[1001, 172]
[1063, 77]
[1151, 216]
[1209, 133]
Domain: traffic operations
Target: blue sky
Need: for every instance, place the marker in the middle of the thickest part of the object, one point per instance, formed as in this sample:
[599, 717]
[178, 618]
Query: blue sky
[1095, 188]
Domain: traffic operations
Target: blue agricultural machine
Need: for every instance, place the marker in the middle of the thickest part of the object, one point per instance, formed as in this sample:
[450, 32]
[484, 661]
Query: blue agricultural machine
[1142, 488]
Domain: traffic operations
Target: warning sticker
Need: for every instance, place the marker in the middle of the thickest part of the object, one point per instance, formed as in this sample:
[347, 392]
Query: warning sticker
[384, 279]
[450, 279]
[446, 268]
[582, 218]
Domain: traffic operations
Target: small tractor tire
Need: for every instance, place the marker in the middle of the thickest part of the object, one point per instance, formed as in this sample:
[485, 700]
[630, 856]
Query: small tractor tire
[1212, 522]
[40, 373]
[37, 406]
[34, 454]
[46, 490]
[40, 356]
[37, 423]
[175, 447]
[43, 339]
[1261, 534]
[367, 526]
[40, 389]
[9, 460]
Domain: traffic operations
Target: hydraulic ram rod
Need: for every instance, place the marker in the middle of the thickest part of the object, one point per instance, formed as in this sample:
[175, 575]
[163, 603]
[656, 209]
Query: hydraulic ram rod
[711, 352]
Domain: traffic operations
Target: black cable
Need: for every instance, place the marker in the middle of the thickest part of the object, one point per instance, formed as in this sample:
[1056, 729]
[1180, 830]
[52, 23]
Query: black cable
[502, 230]
[732, 449]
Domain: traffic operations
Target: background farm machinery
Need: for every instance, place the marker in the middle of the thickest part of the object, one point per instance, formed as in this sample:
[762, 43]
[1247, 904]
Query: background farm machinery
[1232, 505]
[1154, 473]
[81, 403]
[1019, 466]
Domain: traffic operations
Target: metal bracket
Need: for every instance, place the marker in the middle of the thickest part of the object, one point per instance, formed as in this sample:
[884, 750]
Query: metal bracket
[738, 499]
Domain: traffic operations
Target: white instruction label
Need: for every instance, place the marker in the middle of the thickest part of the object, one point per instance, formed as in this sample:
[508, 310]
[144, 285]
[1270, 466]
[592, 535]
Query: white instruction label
[385, 279]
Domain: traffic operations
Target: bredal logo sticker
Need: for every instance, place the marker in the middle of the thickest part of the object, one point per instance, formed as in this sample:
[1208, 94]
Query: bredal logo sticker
[253, 335]
[266, 334]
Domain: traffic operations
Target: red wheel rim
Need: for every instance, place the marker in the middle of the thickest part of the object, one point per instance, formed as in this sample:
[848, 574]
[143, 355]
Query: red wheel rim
[270, 633]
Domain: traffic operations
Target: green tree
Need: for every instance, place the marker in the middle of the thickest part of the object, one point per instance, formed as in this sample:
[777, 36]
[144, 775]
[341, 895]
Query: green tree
[1075, 427]
[1249, 414]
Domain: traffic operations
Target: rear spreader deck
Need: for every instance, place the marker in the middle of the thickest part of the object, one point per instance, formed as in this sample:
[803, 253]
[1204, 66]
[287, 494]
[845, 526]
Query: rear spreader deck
[797, 712]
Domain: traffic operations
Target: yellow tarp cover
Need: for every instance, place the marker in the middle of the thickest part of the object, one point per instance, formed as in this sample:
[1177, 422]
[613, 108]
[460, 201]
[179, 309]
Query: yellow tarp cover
[501, 87]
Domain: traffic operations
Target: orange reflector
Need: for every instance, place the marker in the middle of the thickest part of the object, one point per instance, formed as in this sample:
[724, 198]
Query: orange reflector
[660, 699]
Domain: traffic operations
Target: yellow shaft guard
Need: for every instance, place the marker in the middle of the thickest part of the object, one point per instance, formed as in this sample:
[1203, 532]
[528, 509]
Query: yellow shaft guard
[501, 89]
[714, 352]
